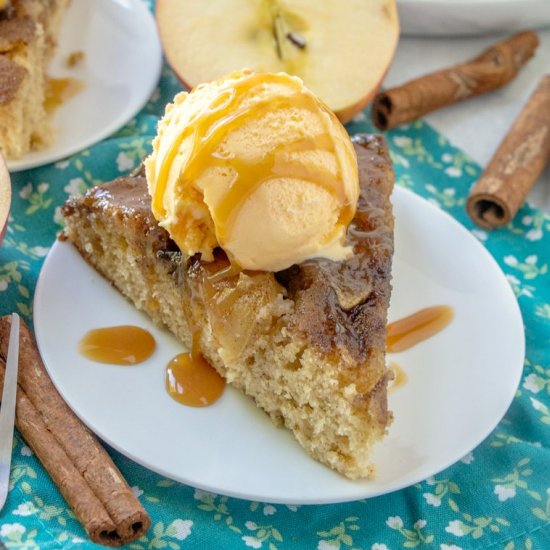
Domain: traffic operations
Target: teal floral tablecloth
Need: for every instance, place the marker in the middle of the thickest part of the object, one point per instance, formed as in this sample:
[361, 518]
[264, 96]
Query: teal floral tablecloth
[498, 496]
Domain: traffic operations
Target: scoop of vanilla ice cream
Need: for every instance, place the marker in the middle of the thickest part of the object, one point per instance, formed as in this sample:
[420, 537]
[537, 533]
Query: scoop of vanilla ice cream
[256, 164]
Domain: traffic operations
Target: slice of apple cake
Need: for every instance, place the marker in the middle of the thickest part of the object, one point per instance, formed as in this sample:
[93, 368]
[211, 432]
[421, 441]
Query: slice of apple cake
[28, 36]
[307, 343]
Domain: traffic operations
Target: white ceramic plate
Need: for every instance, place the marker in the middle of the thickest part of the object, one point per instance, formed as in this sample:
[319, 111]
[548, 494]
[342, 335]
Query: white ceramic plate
[120, 70]
[469, 17]
[461, 381]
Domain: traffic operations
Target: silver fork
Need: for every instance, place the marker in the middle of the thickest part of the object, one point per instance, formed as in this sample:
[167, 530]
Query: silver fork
[7, 411]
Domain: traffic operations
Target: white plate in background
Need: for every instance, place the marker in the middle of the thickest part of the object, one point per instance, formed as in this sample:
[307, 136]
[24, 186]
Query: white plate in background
[461, 381]
[471, 17]
[120, 69]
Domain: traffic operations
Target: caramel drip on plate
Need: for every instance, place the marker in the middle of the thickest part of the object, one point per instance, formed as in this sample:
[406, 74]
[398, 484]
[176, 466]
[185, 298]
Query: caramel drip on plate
[225, 115]
[192, 381]
[400, 378]
[60, 90]
[411, 330]
[119, 345]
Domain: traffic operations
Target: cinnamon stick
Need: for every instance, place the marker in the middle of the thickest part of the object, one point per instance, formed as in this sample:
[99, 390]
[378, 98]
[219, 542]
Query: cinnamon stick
[83, 501]
[83, 471]
[490, 70]
[516, 165]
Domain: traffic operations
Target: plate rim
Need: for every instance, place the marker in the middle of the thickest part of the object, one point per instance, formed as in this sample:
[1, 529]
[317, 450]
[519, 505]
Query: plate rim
[517, 320]
[456, 3]
[24, 163]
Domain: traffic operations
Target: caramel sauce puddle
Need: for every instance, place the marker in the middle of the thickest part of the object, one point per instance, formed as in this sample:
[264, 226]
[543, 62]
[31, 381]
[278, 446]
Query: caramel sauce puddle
[410, 331]
[119, 345]
[60, 90]
[400, 376]
[192, 381]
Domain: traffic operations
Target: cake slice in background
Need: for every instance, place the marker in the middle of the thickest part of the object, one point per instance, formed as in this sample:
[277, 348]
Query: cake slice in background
[28, 37]
[5, 197]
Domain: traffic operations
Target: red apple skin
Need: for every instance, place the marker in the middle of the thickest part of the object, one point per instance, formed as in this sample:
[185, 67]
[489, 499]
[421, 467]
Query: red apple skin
[5, 197]
[2, 233]
[344, 115]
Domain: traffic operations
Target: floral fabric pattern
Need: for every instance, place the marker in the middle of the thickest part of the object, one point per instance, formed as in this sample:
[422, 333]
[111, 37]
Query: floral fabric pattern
[497, 496]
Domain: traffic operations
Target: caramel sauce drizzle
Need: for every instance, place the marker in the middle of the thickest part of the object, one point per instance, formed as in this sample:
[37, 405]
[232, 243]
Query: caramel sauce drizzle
[60, 90]
[119, 345]
[400, 376]
[223, 116]
[192, 381]
[411, 330]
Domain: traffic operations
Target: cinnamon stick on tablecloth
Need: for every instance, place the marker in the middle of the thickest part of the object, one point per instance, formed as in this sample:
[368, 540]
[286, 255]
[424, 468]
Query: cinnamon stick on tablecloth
[516, 165]
[82, 470]
[490, 70]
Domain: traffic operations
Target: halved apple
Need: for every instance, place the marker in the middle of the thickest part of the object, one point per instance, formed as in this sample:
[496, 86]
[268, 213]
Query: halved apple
[340, 48]
[5, 196]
